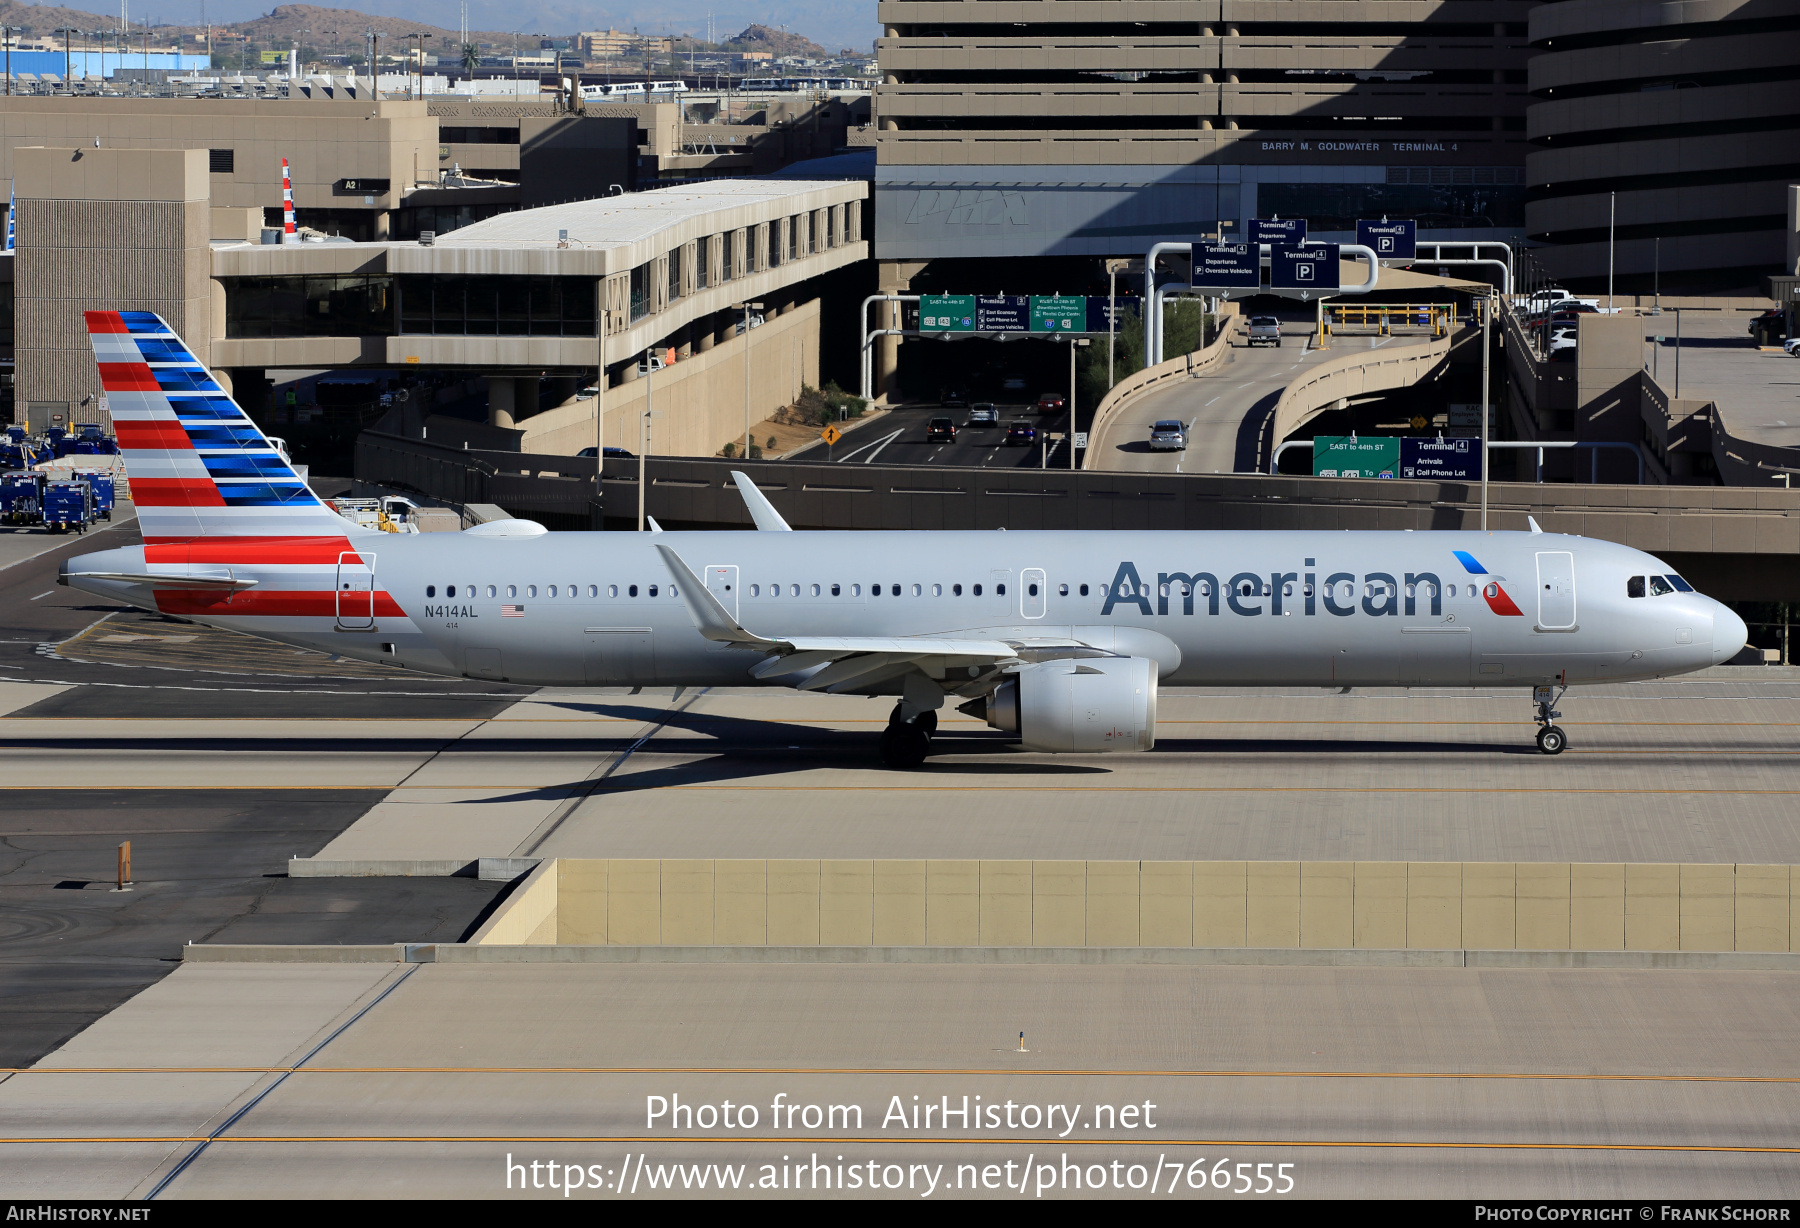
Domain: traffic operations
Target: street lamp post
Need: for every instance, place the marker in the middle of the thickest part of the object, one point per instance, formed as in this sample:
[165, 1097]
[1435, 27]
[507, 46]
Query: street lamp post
[65, 31]
[1075, 343]
[747, 308]
[1487, 313]
[651, 363]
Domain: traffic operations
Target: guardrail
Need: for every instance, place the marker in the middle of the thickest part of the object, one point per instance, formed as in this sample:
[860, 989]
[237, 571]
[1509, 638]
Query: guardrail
[525, 483]
[1175, 368]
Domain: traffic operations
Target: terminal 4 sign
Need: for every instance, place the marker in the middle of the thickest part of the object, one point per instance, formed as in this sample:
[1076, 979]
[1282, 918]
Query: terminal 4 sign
[1387, 456]
[1313, 267]
[1227, 266]
[1277, 229]
[1389, 240]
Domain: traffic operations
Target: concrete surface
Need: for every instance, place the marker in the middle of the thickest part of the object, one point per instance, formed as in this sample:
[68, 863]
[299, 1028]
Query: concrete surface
[1719, 360]
[21, 542]
[1368, 1081]
[1222, 409]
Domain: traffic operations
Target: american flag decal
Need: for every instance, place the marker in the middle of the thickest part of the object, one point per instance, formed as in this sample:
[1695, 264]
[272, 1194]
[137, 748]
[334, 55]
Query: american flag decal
[512, 611]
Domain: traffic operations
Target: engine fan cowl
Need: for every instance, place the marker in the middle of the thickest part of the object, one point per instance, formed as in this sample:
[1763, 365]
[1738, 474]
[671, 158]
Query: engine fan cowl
[1089, 706]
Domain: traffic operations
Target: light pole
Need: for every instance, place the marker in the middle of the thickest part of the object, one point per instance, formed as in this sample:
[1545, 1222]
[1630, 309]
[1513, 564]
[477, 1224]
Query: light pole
[65, 31]
[746, 308]
[1487, 312]
[1075, 343]
[651, 363]
[1612, 219]
[7, 32]
[419, 39]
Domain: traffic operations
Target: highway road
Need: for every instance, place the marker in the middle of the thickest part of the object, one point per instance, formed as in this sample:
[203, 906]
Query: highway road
[898, 438]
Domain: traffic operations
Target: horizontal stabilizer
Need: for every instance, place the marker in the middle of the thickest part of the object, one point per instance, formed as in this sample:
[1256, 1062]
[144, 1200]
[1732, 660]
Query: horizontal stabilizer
[213, 583]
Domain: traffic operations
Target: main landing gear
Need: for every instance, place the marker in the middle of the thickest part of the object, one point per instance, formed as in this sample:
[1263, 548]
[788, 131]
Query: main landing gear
[904, 743]
[1550, 737]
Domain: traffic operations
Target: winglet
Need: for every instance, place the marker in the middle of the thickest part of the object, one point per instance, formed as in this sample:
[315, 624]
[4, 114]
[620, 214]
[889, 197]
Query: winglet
[1532, 521]
[710, 618]
[654, 527]
[767, 519]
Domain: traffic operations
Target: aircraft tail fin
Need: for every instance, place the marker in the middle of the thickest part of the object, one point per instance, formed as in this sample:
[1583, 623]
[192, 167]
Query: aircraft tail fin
[198, 466]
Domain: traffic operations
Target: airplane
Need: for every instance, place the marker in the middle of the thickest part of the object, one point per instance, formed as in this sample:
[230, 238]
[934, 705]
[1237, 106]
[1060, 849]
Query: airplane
[1059, 638]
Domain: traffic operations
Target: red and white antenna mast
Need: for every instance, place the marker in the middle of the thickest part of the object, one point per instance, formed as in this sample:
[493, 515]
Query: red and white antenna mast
[287, 205]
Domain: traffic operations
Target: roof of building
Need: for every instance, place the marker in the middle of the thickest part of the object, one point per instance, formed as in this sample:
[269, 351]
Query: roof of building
[617, 221]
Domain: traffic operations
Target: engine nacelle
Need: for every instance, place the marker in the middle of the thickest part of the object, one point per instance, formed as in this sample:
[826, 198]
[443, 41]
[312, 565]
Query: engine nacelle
[1088, 705]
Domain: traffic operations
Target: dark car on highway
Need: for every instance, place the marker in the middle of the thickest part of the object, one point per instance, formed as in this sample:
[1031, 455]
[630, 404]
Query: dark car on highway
[1021, 432]
[1051, 403]
[954, 398]
[940, 430]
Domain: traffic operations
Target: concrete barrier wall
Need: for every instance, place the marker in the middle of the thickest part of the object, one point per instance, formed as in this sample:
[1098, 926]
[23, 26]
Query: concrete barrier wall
[700, 398]
[1494, 906]
[530, 915]
[1351, 375]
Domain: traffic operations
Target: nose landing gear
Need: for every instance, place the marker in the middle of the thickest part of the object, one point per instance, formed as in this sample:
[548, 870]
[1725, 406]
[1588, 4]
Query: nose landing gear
[1551, 739]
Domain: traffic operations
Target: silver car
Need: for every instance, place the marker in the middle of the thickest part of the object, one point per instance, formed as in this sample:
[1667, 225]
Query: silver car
[1168, 437]
[984, 413]
[1263, 330]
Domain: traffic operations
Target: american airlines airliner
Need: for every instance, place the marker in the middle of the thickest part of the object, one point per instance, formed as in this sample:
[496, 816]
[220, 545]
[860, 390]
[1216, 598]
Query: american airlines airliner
[1060, 638]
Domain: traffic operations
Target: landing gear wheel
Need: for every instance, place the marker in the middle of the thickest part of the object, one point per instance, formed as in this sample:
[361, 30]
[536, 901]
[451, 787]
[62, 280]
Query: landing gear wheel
[1551, 739]
[904, 746]
[926, 721]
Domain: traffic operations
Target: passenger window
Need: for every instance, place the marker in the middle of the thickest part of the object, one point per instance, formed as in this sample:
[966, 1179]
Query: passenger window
[490, 590]
[1084, 591]
[937, 590]
[612, 590]
[593, 590]
[1306, 590]
[431, 590]
[573, 591]
[1287, 590]
[551, 591]
[531, 590]
[1634, 587]
[632, 590]
[1032, 591]
[836, 591]
[1493, 590]
[450, 591]
[756, 590]
[1162, 591]
[815, 590]
[976, 591]
[1062, 590]
[894, 590]
[1660, 587]
[918, 590]
[874, 590]
[1000, 590]
[653, 590]
[793, 590]
[512, 590]
[956, 590]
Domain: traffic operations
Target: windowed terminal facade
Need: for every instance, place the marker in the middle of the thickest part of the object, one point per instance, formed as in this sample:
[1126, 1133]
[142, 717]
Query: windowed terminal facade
[1038, 129]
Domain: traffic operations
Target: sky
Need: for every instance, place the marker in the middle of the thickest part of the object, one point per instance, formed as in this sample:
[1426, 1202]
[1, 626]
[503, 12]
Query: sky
[850, 25]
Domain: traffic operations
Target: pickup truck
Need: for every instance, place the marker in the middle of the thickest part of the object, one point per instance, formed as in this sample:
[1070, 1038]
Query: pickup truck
[1263, 330]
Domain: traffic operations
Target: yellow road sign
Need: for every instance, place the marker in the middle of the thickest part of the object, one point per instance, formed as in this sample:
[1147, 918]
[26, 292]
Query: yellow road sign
[831, 435]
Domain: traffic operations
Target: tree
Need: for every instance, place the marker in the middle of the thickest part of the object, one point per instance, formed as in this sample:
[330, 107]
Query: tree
[471, 57]
[1185, 329]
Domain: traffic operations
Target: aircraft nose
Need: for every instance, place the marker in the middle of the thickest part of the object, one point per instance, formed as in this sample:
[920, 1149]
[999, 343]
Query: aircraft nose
[1729, 634]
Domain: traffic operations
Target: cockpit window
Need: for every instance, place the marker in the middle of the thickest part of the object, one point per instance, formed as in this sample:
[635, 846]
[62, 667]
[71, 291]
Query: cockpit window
[1660, 587]
[1680, 584]
[1634, 587]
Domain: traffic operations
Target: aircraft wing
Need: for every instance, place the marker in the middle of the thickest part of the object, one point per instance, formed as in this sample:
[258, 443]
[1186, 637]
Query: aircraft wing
[835, 662]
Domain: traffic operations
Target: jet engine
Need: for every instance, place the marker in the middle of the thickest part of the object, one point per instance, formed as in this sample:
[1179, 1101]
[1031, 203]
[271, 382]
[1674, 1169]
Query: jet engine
[1088, 706]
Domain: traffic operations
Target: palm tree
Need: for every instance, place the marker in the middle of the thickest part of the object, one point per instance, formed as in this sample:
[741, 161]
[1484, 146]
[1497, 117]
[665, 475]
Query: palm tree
[471, 57]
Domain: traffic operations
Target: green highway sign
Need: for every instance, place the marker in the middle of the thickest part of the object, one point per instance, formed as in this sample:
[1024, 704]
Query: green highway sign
[946, 313]
[1058, 313]
[1346, 456]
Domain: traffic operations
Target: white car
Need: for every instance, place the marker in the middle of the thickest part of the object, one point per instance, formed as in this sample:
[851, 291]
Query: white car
[1792, 347]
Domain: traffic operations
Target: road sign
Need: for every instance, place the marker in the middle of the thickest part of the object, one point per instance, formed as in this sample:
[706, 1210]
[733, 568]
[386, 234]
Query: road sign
[946, 313]
[1228, 266]
[1389, 240]
[1447, 460]
[1058, 313]
[1277, 230]
[1002, 313]
[1123, 305]
[1314, 267]
[1346, 456]
[1081, 439]
[831, 435]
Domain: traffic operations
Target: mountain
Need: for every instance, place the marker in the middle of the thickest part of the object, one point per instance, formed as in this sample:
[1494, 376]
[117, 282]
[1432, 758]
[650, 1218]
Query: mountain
[814, 23]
